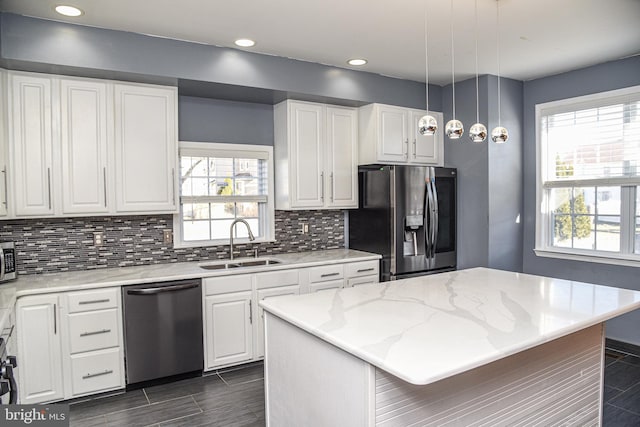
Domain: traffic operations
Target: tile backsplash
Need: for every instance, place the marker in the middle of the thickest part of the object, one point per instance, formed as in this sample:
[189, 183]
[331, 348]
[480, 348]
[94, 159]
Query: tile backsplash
[66, 244]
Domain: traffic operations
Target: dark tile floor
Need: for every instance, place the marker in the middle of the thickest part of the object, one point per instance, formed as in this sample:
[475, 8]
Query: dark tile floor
[235, 397]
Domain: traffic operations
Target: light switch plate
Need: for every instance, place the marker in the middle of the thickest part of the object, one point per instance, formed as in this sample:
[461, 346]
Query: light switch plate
[167, 236]
[305, 228]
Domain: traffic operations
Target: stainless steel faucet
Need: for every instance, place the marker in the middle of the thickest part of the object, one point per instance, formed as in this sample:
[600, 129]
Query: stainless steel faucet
[251, 236]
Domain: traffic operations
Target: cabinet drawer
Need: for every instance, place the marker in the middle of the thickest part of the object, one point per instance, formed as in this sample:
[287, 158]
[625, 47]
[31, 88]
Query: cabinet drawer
[226, 284]
[96, 371]
[363, 280]
[93, 300]
[93, 330]
[363, 268]
[330, 284]
[323, 274]
[276, 279]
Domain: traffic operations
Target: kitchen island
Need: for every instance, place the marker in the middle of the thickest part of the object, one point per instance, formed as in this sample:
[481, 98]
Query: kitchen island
[477, 346]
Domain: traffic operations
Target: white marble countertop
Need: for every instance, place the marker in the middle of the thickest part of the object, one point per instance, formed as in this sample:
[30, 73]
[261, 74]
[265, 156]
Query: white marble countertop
[428, 328]
[120, 276]
[7, 301]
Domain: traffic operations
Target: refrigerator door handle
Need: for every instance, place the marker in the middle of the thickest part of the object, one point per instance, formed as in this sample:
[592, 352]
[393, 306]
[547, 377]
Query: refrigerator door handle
[435, 212]
[428, 201]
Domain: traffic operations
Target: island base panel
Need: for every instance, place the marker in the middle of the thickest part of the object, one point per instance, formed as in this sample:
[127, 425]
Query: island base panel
[557, 383]
[311, 382]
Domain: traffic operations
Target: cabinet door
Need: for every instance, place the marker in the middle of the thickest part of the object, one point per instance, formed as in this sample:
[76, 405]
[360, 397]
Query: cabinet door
[146, 148]
[425, 149]
[40, 356]
[265, 294]
[84, 146]
[306, 133]
[229, 328]
[31, 137]
[4, 149]
[392, 139]
[342, 157]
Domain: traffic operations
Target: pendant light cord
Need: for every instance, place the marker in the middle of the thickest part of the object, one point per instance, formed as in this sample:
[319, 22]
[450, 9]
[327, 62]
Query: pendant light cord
[453, 55]
[426, 56]
[477, 90]
[498, 58]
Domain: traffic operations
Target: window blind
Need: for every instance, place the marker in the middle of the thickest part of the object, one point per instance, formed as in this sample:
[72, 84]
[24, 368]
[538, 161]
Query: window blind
[592, 142]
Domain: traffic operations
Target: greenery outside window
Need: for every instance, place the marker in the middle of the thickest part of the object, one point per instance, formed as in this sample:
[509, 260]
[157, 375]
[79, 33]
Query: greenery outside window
[220, 183]
[588, 178]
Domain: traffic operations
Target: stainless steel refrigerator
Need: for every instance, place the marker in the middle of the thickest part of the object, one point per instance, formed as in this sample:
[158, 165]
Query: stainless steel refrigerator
[408, 215]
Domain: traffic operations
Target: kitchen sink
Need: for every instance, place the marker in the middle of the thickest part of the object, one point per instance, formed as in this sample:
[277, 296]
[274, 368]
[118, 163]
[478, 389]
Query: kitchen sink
[238, 264]
[256, 262]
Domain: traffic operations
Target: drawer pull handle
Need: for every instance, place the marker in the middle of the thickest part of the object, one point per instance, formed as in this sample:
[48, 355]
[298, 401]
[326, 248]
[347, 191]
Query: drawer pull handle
[86, 377]
[330, 274]
[363, 270]
[86, 334]
[95, 301]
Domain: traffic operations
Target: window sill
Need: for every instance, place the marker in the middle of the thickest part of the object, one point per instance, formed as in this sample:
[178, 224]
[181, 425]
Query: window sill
[222, 242]
[590, 256]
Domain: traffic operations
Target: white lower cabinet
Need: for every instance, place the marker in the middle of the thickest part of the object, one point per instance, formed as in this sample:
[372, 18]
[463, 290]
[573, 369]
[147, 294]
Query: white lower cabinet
[228, 320]
[69, 344]
[234, 327]
[269, 285]
[39, 349]
[229, 334]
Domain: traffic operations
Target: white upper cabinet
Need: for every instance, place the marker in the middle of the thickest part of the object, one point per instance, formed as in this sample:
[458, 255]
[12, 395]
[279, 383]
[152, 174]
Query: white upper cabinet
[316, 156]
[31, 141]
[4, 148]
[426, 149]
[146, 148]
[389, 134]
[84, 146]
[342, 157]
[79, 146]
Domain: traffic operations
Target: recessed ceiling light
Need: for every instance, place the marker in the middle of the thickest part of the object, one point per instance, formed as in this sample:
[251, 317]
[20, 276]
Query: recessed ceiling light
[68, 10]
[245, 42]
[357, 61]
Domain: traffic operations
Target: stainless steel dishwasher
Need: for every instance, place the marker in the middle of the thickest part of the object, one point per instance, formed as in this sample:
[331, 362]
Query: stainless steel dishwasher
[162, 330]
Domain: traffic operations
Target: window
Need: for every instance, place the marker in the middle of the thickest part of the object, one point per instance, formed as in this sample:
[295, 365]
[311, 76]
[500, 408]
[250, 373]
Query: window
[220, 183]
[588, 186]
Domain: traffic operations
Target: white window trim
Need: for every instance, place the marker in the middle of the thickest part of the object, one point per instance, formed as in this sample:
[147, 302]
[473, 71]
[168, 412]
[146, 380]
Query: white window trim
[542, 247]
[233, 150]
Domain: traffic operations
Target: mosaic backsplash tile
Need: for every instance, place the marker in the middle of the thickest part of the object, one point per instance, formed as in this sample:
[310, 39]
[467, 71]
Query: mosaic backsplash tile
[66, 244]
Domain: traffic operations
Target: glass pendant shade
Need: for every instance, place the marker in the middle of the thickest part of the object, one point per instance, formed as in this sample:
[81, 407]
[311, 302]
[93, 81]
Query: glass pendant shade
[478, 133]
[454, 129]
[499, 135]
[427, 125]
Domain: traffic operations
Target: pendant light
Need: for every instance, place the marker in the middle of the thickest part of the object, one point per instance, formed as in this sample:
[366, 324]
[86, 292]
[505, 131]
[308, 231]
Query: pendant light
[454, 128]
[427, 125]
[478, 131]
[499, 134]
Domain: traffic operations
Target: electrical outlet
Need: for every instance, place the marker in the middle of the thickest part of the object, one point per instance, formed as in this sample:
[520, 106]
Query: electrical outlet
[167, 236]
[98, 238]
[305, 228]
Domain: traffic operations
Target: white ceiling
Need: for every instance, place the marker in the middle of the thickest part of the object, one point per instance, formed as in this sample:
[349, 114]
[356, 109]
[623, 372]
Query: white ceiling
[537, 37]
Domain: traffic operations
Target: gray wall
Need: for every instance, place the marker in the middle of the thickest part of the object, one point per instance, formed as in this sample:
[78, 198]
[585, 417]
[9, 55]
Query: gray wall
[40, 45]
[212, 120]
[489, 175]
[471, 160]
[603, 77]
[505, 176]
